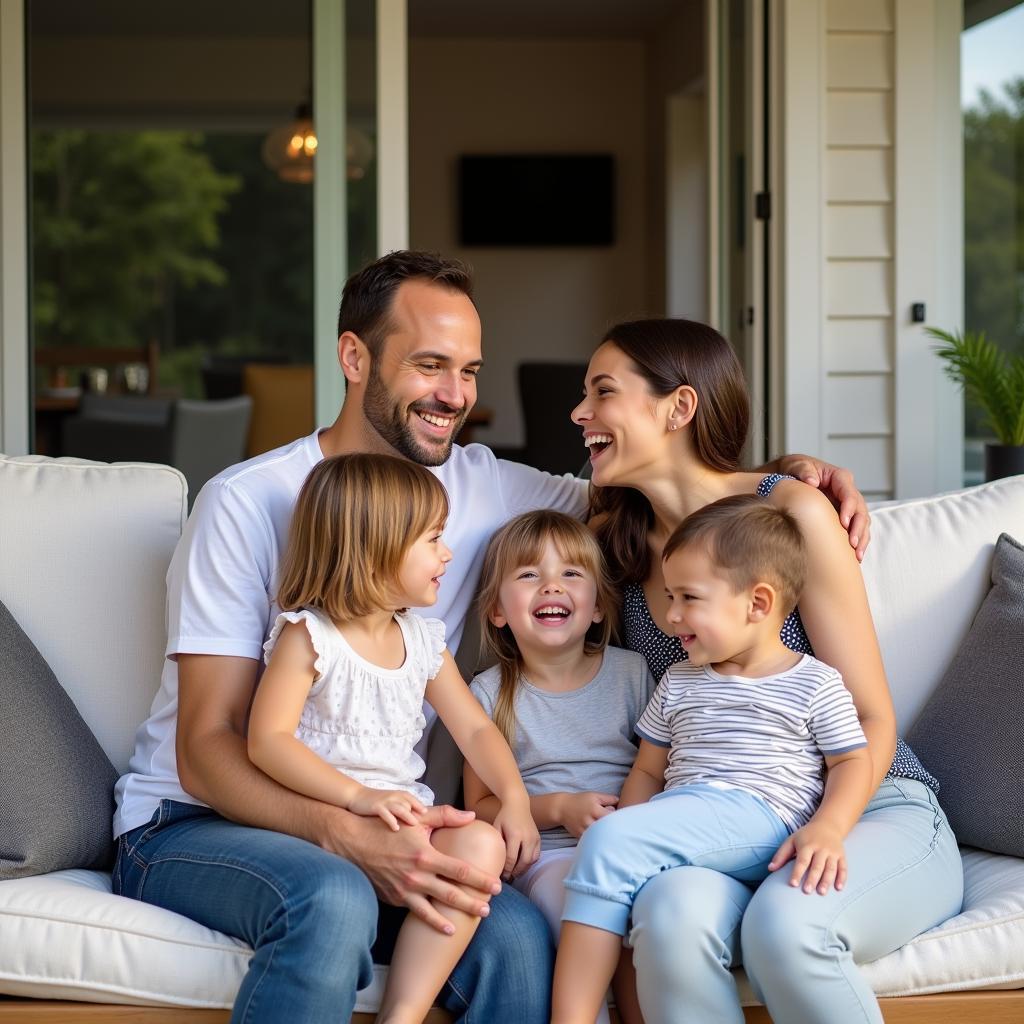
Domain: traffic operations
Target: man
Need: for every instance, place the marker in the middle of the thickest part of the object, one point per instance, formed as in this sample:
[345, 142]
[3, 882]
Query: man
[202, 831]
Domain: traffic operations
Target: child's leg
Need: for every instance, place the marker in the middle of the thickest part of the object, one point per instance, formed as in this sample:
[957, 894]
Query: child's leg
[728, 830]
[542, 884]
[423, 957]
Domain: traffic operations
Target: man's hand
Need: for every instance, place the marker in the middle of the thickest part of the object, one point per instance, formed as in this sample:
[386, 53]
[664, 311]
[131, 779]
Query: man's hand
[390, 805]
[819, 858]
[837, 483]
[581, 810]
[407, 871]
[522, 840]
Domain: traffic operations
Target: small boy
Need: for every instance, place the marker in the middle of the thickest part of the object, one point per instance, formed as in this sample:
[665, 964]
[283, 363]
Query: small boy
[733, 743]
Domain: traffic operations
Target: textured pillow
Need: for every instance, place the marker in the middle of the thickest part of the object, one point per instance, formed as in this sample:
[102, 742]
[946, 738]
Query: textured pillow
[56, 783]
[971, 732]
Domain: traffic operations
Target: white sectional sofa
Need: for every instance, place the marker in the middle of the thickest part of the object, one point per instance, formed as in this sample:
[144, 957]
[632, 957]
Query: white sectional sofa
[83, 552]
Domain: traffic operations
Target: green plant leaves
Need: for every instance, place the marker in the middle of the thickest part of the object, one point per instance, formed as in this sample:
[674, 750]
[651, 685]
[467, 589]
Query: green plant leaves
[990, 377]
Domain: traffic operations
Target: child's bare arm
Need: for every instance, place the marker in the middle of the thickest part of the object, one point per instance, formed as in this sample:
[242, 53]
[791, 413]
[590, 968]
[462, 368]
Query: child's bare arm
[275, 750]
[488, 755]
[572, 811]
[647, 775]
[817, 848]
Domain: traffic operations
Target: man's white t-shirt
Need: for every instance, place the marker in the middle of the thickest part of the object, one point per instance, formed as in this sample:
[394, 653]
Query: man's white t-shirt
[223, 577]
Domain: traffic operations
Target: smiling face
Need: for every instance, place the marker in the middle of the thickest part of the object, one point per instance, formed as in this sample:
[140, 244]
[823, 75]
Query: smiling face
[711, 618]
[549, 604]
[422, 569]
[625, 426]
[422, 384]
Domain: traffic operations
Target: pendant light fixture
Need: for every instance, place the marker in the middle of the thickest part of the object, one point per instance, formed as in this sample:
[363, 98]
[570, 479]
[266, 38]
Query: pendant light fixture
[289, 149]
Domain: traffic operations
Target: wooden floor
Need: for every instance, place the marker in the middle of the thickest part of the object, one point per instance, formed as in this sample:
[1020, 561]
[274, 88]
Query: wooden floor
[951, 1008]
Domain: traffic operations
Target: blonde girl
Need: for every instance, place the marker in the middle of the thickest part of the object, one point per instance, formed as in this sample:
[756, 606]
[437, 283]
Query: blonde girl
[565, 701]
[339, 709]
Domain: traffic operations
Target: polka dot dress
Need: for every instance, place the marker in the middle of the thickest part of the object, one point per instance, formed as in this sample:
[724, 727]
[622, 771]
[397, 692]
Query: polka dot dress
[643, 635]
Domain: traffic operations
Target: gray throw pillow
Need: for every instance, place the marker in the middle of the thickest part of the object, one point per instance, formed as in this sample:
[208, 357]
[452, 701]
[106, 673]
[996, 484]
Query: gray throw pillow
[971, 732]
[56, 783]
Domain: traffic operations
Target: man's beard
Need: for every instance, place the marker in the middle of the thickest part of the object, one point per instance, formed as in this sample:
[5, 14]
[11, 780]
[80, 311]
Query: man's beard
[388, 419]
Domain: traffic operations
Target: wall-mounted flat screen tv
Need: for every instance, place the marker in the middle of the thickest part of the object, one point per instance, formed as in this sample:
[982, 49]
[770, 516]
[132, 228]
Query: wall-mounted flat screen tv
[537, 200]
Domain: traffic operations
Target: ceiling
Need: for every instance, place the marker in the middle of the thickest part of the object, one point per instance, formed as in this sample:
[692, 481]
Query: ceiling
[272, 18]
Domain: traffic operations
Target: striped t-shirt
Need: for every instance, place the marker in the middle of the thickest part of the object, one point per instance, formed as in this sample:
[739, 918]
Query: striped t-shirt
[765, 735]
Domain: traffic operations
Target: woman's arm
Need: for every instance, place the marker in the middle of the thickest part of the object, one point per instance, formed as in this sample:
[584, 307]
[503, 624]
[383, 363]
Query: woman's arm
[835, 613]
[837, 484]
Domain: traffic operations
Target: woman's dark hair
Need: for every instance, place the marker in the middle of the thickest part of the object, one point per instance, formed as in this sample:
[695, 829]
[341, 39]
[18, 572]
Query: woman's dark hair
[669, 354]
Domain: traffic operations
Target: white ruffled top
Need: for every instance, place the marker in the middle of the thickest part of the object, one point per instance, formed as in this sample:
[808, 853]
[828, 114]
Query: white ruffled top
[363, 719]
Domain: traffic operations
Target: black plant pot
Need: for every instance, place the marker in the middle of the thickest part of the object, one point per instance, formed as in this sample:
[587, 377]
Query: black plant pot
[1003, 460]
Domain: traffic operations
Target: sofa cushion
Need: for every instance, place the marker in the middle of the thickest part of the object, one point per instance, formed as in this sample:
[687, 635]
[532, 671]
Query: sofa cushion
[67, 937]
[84, 549]
[56, 783]
[979, 948]
[927, 571]
[970, 734]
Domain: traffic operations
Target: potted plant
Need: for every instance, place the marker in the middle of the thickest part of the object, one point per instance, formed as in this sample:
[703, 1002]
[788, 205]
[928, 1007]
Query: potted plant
[994, 380]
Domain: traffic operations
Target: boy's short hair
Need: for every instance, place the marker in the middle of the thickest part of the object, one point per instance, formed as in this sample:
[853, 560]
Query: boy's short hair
[750, 541]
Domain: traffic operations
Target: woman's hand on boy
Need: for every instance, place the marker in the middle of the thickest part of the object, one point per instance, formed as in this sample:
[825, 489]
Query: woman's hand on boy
[581, 810]
[522, 840]
[394, 807]
[818, 855]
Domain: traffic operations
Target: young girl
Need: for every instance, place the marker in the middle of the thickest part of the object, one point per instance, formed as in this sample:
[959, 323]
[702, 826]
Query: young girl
[566, 702]
[340, 706]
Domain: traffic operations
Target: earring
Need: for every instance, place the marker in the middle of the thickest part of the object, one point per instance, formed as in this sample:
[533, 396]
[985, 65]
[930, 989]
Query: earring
[673, 426]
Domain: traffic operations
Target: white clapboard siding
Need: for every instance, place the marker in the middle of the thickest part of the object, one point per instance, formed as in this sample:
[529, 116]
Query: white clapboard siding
[858, 15]
[858, 175]
[872, 224]
[859, 61]
[858, 118]
[870, 457]
[857, 408]
[861, 231]
[858, 345]
[858, 405]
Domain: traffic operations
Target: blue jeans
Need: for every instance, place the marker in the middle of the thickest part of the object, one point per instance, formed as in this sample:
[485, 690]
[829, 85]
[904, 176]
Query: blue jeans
[800, 950]
[311, 920]
[728, 830]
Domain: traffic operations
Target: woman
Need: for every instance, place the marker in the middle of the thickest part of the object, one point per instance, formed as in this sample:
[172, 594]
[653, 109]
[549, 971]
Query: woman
[665, 417]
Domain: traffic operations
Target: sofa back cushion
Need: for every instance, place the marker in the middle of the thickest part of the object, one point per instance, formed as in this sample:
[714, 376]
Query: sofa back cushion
[84, 549]
[927, 571]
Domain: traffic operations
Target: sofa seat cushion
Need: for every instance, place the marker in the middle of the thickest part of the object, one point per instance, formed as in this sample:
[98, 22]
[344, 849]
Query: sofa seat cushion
[982, 947]
[67, 937]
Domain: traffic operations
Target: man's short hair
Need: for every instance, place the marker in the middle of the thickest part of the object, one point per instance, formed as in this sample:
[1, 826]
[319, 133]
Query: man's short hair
[749, 541]
[369, 293]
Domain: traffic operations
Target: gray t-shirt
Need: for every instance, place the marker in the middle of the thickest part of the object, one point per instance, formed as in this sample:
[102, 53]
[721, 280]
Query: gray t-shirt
[581, 741]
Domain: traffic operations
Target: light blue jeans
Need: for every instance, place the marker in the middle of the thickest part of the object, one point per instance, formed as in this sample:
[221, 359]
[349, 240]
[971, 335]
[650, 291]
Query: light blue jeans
[800, 950]
[311, 918]
[728, 830]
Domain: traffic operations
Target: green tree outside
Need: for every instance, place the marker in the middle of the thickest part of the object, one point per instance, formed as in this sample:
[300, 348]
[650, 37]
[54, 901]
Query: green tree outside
[994, 222]
[119, 221]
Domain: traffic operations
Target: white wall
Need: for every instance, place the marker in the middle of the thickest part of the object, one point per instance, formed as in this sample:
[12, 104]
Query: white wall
[531, 96]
